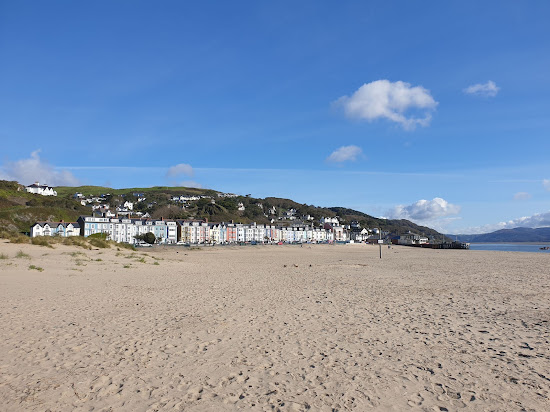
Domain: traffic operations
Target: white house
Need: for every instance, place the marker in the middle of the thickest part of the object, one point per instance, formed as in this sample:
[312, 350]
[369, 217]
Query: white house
[339, 233]
[412, 239]
[63, 229]
[125, 229]
[331, 220]
[39, 189]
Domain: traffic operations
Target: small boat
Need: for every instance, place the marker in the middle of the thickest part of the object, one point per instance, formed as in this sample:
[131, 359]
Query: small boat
[545, 248]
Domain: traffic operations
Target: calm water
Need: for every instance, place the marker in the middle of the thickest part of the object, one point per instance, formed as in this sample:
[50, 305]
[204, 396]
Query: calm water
[510, 247]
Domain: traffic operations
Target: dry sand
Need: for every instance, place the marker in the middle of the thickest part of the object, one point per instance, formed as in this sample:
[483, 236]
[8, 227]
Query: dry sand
[320, 328]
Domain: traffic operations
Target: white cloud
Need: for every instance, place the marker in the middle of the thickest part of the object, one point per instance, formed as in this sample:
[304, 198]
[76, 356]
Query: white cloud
[33, 169]
[546, 184]
[522, 196]
[424, 211]
[489, 89]
[535, 221]
[189, 183]
[181, 169]
[345, 154]
[389, 100]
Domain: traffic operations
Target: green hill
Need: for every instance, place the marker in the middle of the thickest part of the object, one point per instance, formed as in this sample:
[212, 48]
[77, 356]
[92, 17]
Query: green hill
[19, 209]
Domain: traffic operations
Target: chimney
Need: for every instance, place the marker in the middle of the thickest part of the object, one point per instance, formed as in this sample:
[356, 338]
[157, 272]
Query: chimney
[205, 220]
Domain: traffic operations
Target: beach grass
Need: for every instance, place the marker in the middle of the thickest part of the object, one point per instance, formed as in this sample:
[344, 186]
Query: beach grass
[22, 255]
[45, 241]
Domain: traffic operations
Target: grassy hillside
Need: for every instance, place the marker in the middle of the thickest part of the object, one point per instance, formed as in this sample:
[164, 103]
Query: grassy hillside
[19, 210]
[64, 191]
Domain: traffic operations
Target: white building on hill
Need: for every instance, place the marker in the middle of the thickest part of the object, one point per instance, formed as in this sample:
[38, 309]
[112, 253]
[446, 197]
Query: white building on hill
[39, 189]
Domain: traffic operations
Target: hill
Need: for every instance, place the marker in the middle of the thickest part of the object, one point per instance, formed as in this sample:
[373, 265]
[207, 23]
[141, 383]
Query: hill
[519, 234]
[19, 209]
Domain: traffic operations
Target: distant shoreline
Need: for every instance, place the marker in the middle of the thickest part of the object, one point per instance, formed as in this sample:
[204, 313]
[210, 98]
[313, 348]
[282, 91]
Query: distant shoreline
[510, 243]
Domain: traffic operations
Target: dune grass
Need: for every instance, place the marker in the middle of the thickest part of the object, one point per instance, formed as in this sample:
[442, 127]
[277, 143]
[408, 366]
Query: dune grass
[22, 255]
[33, 267]
[100, 243]
[42, 241]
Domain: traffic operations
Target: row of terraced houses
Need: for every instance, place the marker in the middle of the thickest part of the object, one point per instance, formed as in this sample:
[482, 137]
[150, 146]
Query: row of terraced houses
[188, 232]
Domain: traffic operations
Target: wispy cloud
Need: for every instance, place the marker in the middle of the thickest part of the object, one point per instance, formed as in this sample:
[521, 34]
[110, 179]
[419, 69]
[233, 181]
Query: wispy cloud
[179, 170]
[34, 169]
[489, 89]
[382, 99]
[522, 196]
[345, 154]
[546, 184]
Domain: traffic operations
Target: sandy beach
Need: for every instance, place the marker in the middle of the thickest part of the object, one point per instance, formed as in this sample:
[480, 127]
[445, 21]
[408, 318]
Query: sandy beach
[320, 328]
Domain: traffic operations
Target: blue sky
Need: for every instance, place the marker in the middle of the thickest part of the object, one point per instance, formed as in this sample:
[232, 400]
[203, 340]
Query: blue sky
[433, 111]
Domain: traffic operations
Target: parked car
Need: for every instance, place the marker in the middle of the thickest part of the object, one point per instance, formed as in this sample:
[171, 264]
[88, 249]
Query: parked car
[143, 244]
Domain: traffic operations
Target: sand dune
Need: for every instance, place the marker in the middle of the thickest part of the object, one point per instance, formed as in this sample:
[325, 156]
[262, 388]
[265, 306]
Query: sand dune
[322, 328]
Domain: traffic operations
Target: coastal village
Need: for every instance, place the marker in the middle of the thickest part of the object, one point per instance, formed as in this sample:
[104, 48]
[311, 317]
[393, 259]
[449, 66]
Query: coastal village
[126, 225]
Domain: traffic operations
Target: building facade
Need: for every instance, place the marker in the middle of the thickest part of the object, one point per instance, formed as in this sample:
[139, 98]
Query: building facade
[63, 229]
[39, 189]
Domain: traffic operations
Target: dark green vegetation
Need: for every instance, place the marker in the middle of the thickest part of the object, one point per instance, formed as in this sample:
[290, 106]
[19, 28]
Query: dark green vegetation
[19, 210]
[147, 237]
[519, 234]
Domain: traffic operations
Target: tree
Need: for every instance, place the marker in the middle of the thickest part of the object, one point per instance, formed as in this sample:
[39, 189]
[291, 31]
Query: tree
[148, 237]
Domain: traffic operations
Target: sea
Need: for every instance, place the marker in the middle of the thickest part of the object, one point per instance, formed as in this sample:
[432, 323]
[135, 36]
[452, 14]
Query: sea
[511, 247]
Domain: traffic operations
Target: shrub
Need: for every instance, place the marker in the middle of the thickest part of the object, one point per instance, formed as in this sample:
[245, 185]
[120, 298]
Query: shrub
[18, 238]
[75, 241]
[42, 241]
[97, 242]
[102, 236]
[4, 234]
[36, 268]
[2, 256]
[126, 246]
[146, 237]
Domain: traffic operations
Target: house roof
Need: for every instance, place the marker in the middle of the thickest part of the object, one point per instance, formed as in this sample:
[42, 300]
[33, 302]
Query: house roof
[56, 224]
[34, 185]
